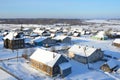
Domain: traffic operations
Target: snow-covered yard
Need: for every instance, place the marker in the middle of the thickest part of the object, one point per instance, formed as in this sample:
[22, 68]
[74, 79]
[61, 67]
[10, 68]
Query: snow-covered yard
[80, 71]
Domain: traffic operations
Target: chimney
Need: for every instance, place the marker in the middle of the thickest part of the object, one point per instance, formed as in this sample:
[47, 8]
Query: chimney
[53, 55]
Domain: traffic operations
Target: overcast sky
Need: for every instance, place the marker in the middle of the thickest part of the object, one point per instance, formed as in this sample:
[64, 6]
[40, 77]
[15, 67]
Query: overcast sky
[59, 8]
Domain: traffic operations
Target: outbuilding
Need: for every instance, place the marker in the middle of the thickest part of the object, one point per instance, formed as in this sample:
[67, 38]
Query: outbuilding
[109, 66]
[116, 42]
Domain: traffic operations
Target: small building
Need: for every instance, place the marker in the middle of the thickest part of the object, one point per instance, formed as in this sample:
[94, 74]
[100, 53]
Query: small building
[109, 66]
[100, 36]
[44, 41]
[14, 40]
[50, 63]
[76, 34]
[38, 31]
[85, 54]
[62, 39]
[46, 33]
[116, 42]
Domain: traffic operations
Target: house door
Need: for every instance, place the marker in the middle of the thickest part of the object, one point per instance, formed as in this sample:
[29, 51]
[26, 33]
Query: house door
[6, 43]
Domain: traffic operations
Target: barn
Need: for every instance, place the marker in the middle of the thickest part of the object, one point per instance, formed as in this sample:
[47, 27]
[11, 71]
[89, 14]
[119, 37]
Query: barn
[50, 63]
[116, 42]
[14, 40]
[43, 41]
[109, 66]
[85, 54]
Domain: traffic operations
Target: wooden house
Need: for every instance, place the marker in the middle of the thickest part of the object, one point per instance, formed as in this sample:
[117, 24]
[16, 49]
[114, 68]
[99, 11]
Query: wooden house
[50, 63]
[14, 40]
[109, 66]
[44, 41]
[62, 39]
[116, 42]
[85, 54]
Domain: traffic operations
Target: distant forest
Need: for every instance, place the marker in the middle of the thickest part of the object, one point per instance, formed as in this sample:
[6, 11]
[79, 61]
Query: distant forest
[41, 21]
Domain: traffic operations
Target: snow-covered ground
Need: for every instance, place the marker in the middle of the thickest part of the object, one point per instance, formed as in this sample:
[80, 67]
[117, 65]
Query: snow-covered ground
[6, 76]
[25, 71]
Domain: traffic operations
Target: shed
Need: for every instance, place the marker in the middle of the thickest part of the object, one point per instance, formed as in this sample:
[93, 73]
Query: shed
[116, 42]
[65, 69]
[109, 66]
[50, 63]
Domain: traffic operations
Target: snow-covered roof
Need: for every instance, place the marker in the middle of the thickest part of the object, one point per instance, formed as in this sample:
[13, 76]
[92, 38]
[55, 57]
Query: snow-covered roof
[11, 35]
[5, 33]
[75, 34]
[37, 30]
[60, 37]
[82, 50]
[111, 63]
[45, 57]
[53, 30]
[39, 39]
[52, 35]
[117, 41]
[101, 34]
[26, 29]
[65, 65]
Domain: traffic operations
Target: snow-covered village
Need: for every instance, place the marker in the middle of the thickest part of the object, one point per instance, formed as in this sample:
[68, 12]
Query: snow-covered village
[59, 39]
[60, 51]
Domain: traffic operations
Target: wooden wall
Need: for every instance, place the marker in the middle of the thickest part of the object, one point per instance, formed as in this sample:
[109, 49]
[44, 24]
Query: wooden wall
[42, 67]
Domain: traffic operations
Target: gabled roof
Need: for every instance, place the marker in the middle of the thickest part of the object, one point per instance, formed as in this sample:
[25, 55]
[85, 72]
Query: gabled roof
[82, 50]
[101, 34]
[60, 37]
[117, 41]
[111, 63]
[65, 65]
[11, 35]
[37, 30]
[76, 34]
[39, 39]
[45, 57]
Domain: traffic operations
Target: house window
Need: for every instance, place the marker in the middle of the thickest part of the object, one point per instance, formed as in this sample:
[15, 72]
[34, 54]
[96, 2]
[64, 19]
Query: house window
[41, 66]
[48, 69]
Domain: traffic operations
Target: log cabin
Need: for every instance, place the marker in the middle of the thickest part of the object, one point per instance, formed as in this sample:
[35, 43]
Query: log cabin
[14, 40]
[50, 63]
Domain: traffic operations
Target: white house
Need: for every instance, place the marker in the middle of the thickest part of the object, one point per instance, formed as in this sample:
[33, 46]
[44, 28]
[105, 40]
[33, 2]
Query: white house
[85, 54]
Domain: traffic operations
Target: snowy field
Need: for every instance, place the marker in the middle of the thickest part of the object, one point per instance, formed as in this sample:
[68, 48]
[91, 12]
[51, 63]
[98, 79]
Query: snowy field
[24, 71]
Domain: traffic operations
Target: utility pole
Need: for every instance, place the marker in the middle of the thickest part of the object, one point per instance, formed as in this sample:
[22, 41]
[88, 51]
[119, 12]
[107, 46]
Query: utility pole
[86, 58]
[17, 55]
